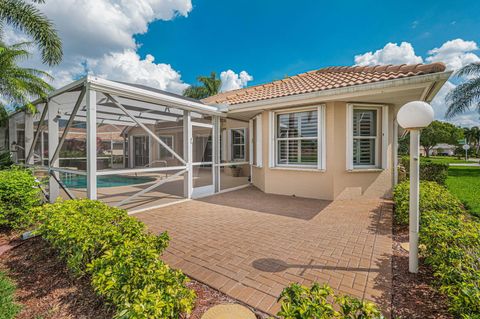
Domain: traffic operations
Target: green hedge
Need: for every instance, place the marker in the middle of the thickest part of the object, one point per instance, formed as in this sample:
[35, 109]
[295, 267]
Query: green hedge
[453, 251]
[432, 197]
[8, 308]
[321, 303]
[429, 171]
[19, 193]
[450, 241]
[119, 255]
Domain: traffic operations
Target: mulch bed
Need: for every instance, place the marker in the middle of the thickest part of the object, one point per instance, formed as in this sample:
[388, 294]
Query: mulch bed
[414, 296]
[46, 289]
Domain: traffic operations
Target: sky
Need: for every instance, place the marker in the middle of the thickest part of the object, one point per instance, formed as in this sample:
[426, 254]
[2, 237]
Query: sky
[168, 43]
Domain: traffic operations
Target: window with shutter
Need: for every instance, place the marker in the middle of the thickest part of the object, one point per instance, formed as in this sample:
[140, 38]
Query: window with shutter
[365, 137]
[297, 138]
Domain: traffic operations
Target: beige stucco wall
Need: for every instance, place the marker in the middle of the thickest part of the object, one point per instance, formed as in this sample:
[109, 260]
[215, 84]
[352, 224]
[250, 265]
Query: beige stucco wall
[335, 182]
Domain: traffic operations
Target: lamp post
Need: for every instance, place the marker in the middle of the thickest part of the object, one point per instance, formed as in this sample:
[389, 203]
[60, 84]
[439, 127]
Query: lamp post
[414, 116]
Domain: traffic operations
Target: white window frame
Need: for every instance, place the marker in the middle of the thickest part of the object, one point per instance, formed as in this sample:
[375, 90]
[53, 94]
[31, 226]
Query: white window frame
[231, 145]
[255, 124]
[381, 140]
[172, 146]
[321, 144]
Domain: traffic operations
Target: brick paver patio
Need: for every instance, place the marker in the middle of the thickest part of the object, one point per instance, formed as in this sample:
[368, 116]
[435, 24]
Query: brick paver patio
[250, 245]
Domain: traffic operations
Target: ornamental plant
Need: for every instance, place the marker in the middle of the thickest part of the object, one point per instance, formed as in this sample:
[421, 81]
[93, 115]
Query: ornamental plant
[433, 197]
[429, 171]
[19, 194]
[450, 241]
[119, 255]
[320, 302]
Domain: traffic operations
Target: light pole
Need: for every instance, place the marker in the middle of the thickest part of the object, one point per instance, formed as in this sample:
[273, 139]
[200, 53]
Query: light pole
[414, 116]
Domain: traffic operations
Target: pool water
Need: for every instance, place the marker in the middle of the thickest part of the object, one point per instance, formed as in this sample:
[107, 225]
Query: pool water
[79, 181]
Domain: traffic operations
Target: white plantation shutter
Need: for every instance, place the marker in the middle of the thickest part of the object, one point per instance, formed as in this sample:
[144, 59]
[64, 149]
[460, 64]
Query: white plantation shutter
[258, 141]
[367, 138]
[297, 138]
[364, 137]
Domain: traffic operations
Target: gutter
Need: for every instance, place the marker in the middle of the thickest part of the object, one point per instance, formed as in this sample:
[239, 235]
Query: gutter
[418, 81]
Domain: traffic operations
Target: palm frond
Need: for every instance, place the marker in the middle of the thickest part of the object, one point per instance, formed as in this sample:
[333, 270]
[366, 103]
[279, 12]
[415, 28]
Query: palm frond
[18, 86]
[472, 69]
[463, 97]
[27, 18]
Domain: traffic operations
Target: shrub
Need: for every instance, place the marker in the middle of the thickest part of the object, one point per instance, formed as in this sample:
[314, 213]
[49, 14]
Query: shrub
[320, 302]
[429, 171]
[433, 197]
[119, 255]
[8, 308]
[453, 251]
[450, 244]
[19, 193]
[5, 160]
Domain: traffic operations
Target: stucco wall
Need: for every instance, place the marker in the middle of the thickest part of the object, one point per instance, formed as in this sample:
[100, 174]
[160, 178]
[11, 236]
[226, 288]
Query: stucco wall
[335, 182]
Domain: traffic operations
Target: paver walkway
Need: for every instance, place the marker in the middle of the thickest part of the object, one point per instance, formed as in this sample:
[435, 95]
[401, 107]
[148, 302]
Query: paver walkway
[250, 245]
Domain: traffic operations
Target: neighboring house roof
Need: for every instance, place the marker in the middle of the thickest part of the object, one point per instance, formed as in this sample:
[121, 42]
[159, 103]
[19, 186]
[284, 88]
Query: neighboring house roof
[323, 79]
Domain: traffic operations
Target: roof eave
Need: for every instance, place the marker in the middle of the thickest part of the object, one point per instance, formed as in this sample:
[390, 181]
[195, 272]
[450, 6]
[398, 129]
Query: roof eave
[435, 80]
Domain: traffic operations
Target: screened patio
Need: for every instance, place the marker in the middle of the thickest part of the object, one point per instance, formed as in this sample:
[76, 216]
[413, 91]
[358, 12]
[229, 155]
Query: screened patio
[129, 145]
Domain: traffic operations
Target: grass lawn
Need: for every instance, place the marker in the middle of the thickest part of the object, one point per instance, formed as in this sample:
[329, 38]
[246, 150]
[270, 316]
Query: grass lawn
[464, 182]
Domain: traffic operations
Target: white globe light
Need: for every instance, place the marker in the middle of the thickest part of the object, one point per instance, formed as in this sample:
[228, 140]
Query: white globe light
[415, 115]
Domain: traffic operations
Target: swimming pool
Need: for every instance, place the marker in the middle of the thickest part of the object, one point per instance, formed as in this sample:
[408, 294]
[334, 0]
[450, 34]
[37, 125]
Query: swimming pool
[79, 181]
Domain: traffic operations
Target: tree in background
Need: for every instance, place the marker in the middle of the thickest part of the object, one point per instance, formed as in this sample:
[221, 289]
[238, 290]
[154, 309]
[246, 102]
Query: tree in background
[439, 132]
[210, 86]
[466, 94]
[472, 136]
[19, 85]
[27, 18]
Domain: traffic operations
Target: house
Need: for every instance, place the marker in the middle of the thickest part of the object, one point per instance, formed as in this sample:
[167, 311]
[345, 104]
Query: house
[330, 133]
[327, 134]
[440, 149]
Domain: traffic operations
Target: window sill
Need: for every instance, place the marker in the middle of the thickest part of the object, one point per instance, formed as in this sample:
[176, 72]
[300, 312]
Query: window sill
[304, 169]
[365, 170]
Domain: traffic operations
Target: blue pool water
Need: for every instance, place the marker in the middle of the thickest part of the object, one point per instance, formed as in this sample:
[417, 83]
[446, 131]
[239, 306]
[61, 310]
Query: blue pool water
[79, 181]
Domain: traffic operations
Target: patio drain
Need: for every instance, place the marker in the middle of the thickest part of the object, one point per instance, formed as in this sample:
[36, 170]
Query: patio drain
[229, 311]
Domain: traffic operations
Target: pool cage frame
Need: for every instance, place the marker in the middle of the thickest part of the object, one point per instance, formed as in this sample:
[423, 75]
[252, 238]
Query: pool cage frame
[86, 107]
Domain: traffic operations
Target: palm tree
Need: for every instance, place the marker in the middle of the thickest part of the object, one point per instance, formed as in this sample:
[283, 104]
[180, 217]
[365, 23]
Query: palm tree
[472, 135]
[210, 86]
[27, 18]
[466, 94]
[19, 85]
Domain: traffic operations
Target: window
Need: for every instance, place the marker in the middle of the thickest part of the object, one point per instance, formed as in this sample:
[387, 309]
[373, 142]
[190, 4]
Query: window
[167, 139]
[238, 144]
[298, 138]
[367, 136]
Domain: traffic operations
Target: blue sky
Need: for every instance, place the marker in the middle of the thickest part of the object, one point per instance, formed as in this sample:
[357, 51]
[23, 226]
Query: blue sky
[270, 39]
[168, 43]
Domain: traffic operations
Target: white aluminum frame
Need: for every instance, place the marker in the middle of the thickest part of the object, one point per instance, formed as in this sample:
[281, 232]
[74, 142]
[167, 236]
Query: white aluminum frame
[92, 111]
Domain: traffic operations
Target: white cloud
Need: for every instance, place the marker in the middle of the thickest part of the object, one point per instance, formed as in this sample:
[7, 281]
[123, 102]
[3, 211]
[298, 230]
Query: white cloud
[233, 81]
[392, 53]
[454, 53]
[99, 34]
[129, 67]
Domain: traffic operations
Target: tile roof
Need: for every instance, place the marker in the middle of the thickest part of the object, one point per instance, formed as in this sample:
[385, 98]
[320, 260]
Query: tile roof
[323, 79]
